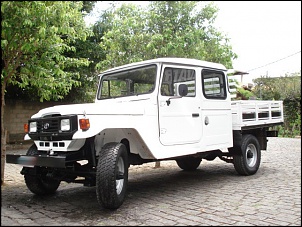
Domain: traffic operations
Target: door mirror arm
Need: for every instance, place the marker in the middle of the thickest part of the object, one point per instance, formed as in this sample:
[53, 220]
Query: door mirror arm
[182, 90]
[173, 97]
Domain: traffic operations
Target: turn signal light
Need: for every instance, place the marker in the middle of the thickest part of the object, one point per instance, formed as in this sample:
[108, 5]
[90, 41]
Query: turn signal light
[26, 128]
[84, 124]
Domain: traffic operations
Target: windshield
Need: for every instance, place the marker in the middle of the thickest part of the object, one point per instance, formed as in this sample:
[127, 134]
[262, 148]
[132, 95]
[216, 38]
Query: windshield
[127, 83]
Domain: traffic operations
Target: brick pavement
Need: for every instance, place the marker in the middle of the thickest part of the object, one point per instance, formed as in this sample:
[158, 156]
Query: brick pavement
[213, 195]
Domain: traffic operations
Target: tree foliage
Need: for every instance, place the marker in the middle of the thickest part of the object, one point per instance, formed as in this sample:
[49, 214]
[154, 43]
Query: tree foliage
[34, 37]
[279, 88]
[83, 49]
[163, 29]
[244, 94]
[89, 75]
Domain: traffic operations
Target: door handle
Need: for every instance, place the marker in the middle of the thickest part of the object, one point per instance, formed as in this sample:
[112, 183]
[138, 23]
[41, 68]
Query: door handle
[195, 114]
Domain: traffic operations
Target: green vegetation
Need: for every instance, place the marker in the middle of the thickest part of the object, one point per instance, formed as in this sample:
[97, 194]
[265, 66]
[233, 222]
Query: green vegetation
[164, 28]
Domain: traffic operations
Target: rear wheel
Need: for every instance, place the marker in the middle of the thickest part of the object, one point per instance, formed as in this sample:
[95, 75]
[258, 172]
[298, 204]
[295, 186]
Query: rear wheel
[112, 175]
[247, 160]
[188, 163]
[39, 184]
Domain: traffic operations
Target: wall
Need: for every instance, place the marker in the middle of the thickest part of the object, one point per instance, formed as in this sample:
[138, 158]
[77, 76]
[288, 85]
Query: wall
[17, 113]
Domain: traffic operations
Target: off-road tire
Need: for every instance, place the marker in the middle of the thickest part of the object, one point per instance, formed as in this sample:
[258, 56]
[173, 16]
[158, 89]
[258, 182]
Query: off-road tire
[188, 163]
[247, 159]
[112, 175]
[40, 184]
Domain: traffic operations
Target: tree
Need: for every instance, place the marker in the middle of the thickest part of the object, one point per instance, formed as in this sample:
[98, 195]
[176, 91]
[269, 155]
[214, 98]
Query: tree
[89, 49]
[34, 37]
[165, 28]
[278, 88]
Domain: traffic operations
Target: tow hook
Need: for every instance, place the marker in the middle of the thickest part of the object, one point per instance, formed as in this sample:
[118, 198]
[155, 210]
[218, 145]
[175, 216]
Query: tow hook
[50, 152]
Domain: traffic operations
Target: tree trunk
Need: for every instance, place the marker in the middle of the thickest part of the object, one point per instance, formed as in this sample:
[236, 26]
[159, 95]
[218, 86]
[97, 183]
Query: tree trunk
[3, 132]
[3, 154]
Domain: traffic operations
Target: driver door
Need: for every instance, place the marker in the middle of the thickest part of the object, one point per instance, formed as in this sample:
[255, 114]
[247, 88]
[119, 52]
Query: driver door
[179, 116]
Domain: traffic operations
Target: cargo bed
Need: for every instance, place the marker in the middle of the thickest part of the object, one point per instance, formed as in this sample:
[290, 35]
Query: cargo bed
[254, 114]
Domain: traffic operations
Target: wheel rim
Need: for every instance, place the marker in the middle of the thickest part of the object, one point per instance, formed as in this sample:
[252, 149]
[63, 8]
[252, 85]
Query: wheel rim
[120, 175]
[251, 155]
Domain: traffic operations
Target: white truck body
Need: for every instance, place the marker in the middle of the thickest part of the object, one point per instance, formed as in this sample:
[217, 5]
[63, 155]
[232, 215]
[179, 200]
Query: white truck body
[160, 109]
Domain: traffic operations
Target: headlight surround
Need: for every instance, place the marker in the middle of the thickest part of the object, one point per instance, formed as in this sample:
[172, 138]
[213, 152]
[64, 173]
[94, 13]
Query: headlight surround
[65, 124]
[33, 126]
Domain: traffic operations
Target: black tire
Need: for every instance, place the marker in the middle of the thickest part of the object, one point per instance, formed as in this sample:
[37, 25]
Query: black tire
[112, 175]
[188, 163]
[247, 160]
[40, 184]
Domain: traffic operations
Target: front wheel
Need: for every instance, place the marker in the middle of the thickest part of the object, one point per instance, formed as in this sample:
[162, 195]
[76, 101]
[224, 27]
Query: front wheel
[40, 184]
[112, 175]
[247, 161]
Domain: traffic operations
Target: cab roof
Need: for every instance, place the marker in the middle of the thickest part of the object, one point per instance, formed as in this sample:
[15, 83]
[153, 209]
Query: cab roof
[181, 61]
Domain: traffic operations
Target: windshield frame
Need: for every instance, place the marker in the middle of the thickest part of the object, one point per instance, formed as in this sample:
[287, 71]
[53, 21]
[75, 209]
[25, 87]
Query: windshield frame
[128, 82]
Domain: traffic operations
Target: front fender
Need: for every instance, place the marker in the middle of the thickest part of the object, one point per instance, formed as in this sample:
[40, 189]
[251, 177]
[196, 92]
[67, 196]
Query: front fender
[99, 123]
[80, 134]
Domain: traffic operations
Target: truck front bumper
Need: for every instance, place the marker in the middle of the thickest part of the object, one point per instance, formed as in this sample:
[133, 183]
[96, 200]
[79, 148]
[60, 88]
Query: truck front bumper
[42, 160]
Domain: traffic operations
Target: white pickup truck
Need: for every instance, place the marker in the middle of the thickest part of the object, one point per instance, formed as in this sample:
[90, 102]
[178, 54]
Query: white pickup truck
[161, 109]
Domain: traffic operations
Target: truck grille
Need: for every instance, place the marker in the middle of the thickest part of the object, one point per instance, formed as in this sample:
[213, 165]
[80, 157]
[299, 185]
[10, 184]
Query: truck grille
[48, 125]
[49, 128]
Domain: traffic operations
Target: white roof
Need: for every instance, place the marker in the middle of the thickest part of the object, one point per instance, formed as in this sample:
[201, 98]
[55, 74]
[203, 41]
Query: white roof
[185, 61]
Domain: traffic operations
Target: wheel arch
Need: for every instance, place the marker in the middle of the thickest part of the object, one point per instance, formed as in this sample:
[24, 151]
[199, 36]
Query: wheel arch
[130, 137]
[259, 133]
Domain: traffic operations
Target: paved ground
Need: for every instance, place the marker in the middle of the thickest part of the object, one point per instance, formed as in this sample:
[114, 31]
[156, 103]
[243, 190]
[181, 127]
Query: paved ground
[213, 195]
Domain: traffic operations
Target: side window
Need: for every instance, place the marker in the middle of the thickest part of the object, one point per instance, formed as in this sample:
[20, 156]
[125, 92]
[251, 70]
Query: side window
[213, 84]
[173, 77]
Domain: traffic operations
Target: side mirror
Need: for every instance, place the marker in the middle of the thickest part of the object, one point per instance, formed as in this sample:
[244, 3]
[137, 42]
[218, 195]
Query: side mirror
[183, 89]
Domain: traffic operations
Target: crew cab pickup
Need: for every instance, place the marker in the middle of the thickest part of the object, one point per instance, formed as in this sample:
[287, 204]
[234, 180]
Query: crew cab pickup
[155, 110]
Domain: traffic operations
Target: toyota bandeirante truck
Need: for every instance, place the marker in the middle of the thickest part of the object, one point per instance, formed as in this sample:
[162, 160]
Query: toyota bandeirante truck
[155, 110]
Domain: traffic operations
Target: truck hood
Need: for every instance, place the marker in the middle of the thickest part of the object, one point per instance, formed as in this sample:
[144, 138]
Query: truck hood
[112, 107]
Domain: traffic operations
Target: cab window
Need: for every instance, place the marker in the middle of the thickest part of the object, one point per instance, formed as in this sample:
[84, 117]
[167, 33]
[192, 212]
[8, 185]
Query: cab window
[173, 77]
[213, 84]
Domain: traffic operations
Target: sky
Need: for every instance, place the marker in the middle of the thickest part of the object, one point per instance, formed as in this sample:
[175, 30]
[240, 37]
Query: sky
[266, 35]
